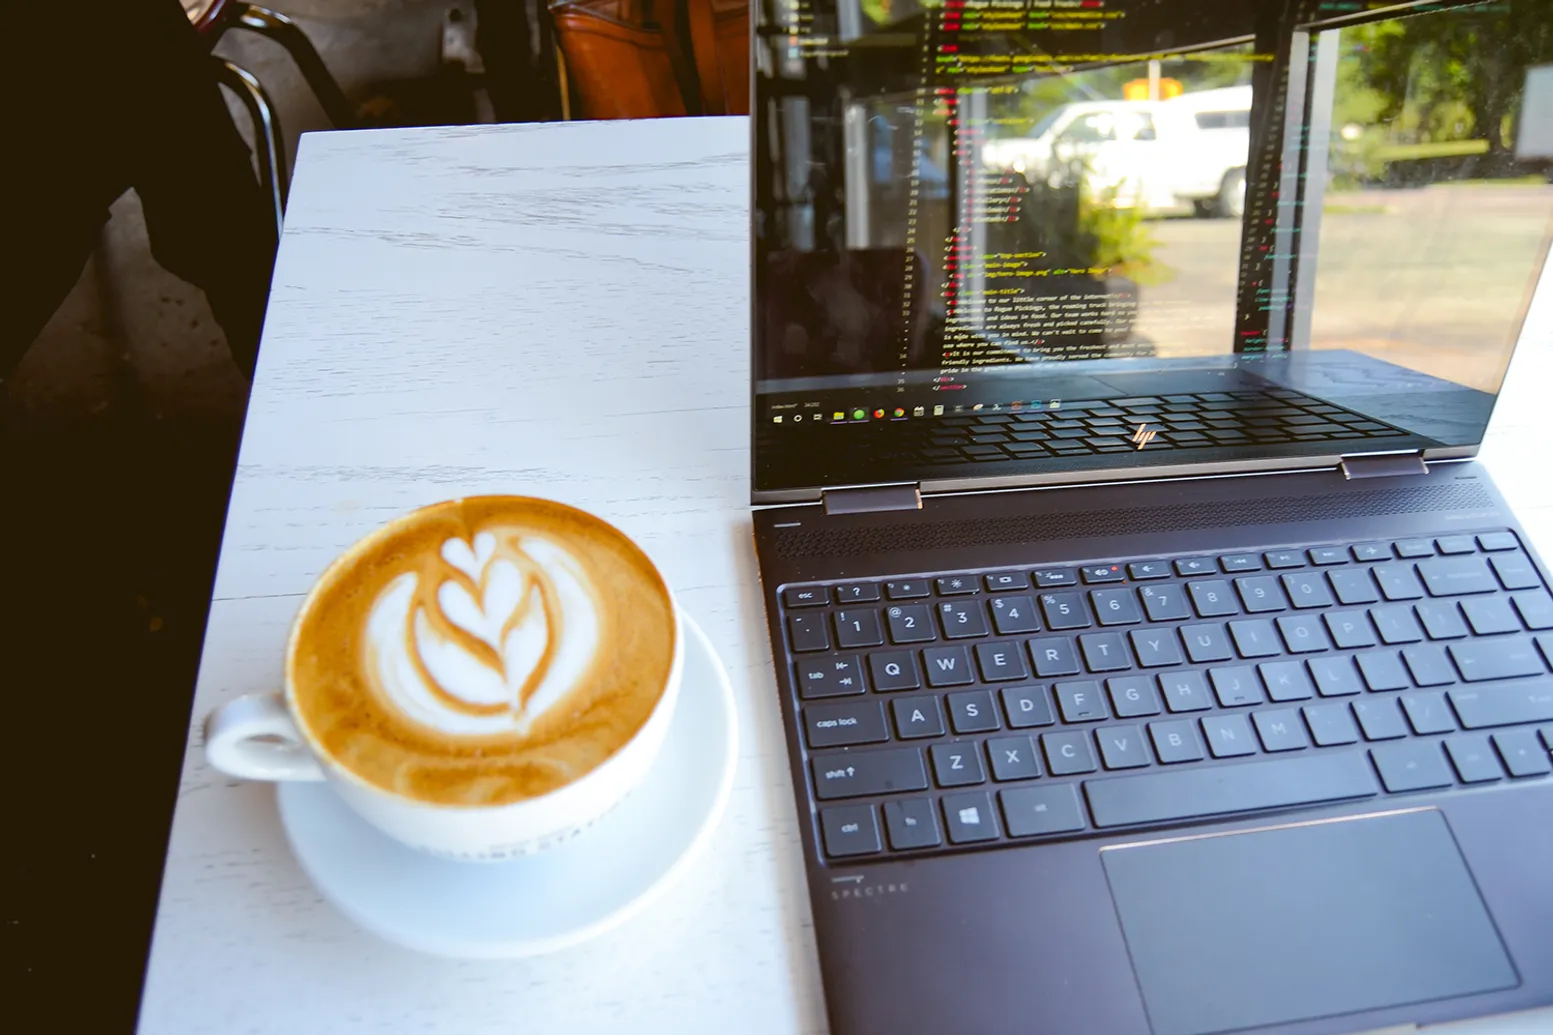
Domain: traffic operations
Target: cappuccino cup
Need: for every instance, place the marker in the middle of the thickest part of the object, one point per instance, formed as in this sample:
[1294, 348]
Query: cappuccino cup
[478, 679]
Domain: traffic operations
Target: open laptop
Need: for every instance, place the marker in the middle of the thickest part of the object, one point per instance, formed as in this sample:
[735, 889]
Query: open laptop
[1152, 656]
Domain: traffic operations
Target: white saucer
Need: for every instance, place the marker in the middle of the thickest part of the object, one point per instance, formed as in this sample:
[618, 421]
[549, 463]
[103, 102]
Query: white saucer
[552, 899]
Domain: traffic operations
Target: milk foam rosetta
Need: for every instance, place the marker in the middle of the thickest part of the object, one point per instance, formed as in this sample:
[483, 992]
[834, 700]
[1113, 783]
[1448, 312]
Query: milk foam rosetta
[483, 651]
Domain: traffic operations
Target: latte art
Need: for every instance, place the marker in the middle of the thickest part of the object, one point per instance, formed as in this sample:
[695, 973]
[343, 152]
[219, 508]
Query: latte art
[487, 640]
[482, 651]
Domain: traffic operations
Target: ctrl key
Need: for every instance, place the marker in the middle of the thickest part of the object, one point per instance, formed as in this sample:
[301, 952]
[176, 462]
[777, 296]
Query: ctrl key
[850, 830]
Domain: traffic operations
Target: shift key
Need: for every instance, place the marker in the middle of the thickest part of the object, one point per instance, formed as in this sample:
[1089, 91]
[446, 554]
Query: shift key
[853, 774]
[1504, 704]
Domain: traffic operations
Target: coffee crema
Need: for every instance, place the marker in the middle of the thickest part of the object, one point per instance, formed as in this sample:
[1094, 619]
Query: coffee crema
[482, 651]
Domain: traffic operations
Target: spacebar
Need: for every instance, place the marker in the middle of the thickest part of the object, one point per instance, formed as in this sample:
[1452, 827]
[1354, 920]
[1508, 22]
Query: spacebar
[1216, 789]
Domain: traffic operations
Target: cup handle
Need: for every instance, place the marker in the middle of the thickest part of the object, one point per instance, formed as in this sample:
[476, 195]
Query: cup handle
[253, 738]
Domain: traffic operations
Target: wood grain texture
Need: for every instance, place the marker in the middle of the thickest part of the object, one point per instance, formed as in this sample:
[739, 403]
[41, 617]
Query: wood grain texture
[559, 310]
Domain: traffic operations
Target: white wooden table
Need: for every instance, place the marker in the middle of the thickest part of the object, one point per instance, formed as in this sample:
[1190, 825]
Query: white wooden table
[563, 311]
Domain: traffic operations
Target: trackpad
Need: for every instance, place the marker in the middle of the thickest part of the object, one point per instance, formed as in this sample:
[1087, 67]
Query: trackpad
[1286, 924]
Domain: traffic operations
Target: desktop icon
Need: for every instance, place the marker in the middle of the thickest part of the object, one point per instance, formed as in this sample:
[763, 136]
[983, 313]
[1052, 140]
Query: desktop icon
[899, 413]
[859, 414]
[938, 411]
[917, 411]
[777, 419]
[878, 415]
[839, 415]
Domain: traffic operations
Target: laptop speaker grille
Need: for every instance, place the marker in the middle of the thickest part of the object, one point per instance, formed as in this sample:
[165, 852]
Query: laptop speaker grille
[1181, 517]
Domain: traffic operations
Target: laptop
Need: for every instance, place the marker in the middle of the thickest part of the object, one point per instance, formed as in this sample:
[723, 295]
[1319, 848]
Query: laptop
[1153, 657]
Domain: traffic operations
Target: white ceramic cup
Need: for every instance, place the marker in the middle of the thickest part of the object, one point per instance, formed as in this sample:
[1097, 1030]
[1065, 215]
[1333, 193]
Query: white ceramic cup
[258, 737]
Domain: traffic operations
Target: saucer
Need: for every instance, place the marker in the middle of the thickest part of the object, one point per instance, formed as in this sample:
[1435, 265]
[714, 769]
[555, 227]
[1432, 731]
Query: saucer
[557, 897]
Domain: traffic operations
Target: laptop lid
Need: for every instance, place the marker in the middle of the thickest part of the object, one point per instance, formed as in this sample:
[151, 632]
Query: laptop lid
[1038, 241]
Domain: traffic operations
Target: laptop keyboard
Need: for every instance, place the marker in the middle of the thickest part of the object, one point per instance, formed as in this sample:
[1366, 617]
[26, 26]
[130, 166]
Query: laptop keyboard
[1109, 426]
[953, 710]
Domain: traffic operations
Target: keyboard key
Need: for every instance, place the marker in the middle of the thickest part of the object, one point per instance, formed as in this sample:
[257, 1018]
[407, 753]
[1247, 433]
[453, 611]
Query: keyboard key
[1047, 809]
[804, 596]
[1185, 692]
[857, 592]
[1001, 661]
[1515, 571]
[1027, 706]
[1380, 718]
[1068, 753]
[1133, 696]
[1413, 765]
[1013, 758]
[957, 764]
[1000, 581]
[1141, 570]
[1547, 737]
[1521, 753]
[1260, 594]
[1228, 736]
[1116, 606]
[1122, 747]
[1302, 633]
[1397, 581]
[1235, 686]
[1328, 555]
[1048, 577]
[1335, 677]
[1255, 638]
[1195, 566]
[1490, 615]
[1453, 576]
[1507, 704]
[1165, 603]
[948, 666]
[1104, 652]
[1428, 665]
[1453, 544]
[1349, 629]
[972, 711]
[1280, 730]
[1206, 643]
[1155, 647]
[850, 830]
[1284, 559]
[1330, 724]
[1396, 624]
[1081, 701]
[917, 717]
[858, 627]
[1064, 611]
[1212, 599]
[1494, 541]
[806, 632]
[1382, 670]
[1176, 741]
[1054, 656]
[962, 619]
[1354, 587]
[830, 677]
[894, 670]
[1428, 713]
[1442, 621]
[1372, 552]
[1505, 658]
[856, 773]
[955, 585]
[1535, 609]
[1189, 793]
[1414, 548]
[910, 623]
[1014, 615]
[845, 723]
[969, 818]
[1102, 573]
[1286, 681]
[906, 589]
[1234, 562]
[912, 823]
[1473, 758]
[1308, 589]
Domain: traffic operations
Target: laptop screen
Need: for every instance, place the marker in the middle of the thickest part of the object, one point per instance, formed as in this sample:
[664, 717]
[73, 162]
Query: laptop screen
[1032, 240]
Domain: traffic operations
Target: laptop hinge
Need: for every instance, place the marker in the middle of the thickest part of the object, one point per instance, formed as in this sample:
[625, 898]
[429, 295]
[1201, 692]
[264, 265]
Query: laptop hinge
[873, 498]
[1383, 465]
